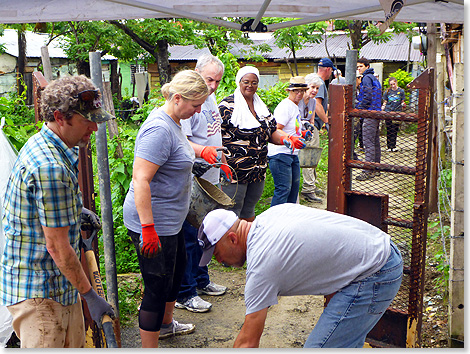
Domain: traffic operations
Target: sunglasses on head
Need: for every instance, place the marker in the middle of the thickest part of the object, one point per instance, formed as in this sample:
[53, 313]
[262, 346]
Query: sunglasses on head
[89, 99]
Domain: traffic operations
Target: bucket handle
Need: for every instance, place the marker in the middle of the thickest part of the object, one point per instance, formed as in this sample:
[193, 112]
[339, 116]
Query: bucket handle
[218, 165]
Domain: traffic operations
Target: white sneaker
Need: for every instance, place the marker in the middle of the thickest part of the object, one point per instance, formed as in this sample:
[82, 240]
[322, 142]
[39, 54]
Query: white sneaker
[176, 329]
[212, 289]
[194, 304]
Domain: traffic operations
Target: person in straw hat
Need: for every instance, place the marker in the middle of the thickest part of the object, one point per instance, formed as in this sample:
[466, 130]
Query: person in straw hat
[283, 161]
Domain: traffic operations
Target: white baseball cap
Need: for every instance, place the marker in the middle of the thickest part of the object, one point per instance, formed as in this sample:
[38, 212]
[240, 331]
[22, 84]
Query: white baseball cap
[213, 227]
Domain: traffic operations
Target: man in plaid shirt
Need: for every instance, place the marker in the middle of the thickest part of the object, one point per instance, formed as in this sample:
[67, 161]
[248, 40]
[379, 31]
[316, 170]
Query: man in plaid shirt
[41, 274]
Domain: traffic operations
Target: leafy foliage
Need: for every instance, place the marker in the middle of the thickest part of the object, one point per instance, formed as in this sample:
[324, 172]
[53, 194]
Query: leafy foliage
[273, 95]
[294, 38]
[19, 119]
[227, 85]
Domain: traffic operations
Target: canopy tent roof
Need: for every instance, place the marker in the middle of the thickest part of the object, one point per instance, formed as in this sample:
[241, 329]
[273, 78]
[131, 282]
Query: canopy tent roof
[30, 11]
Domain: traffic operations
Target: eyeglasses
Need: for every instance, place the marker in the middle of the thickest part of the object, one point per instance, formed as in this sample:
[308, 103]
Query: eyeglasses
[246, 82]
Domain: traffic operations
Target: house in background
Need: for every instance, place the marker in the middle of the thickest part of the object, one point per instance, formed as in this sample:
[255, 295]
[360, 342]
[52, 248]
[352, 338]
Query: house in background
[385, 57]
[60, 63]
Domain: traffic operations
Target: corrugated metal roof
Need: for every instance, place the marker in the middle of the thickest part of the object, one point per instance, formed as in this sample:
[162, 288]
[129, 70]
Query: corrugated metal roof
[394, 50]
[34, 42]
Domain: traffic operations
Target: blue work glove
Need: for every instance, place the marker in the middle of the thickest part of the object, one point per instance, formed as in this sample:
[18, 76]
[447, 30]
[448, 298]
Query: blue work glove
[298, 142]
[97, 306]
[307, 135]
[287, 142]
[226, 173]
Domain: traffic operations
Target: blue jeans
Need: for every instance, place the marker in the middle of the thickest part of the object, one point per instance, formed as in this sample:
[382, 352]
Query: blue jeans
[354, 310]
[194, 276]
[285, 170]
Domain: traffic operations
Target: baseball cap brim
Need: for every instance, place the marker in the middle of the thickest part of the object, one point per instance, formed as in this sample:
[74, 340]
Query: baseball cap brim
[98, 115]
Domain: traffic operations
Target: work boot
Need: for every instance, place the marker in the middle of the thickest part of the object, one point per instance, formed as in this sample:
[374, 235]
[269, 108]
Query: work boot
[311, 197]
[176, 329]
[319, 192]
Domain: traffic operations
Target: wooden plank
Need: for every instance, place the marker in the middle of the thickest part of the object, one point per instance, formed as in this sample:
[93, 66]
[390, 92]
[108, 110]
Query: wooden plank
[456, 271]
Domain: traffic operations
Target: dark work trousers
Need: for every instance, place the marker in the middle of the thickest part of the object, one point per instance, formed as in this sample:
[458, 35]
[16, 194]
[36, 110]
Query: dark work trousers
[371, 137]
[392, 132]
[358, 132]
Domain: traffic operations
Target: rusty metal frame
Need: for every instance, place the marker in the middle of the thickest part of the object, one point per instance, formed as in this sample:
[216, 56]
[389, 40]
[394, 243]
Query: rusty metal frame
[406, 326]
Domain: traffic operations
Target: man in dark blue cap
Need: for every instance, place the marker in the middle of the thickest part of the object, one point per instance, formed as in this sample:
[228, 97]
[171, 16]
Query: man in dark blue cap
[325, 69]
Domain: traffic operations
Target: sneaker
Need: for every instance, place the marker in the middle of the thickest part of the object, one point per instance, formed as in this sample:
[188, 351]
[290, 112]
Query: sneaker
[194, 304]
[363, 176]
[311, 197]
[395, 149]
[212, 289]
[389, 149]
[176, 329]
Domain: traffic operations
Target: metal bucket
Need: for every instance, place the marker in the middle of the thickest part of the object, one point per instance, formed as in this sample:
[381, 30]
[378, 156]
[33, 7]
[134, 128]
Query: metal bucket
[310, 156]
[205, 197]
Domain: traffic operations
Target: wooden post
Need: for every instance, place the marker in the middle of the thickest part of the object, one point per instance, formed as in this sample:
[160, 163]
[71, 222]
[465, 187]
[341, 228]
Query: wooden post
[441, 114]
[46, 63]
[456, 271]
[112, 124]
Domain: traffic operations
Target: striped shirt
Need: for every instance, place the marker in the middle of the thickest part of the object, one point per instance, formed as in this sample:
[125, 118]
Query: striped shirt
[42, 190]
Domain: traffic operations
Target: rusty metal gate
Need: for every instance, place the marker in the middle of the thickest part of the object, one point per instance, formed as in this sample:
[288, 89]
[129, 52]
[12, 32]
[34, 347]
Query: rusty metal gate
[393, 196]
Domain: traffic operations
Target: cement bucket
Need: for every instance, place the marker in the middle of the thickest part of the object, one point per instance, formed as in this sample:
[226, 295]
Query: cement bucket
[309, 156]
[205, 197]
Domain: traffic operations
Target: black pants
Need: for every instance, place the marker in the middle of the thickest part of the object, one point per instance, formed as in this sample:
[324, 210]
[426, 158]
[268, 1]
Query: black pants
[392, 132]
[162, 277]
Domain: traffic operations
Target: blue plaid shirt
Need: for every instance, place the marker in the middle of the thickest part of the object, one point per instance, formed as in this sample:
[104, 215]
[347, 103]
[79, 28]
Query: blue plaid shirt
[42, 190]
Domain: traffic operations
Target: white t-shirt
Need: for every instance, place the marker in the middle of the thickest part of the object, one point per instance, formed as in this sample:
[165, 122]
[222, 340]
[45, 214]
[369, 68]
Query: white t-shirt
[287, 114]
[296, 250]
[204, 129]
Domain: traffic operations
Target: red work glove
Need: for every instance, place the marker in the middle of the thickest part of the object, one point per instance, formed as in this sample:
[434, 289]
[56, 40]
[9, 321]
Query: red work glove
[299, 143]
[209, 153]
[287, 142]
[307, 135]
[226, 172]
[150, 244]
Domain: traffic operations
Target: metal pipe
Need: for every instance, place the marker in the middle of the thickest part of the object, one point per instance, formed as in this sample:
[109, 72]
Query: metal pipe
[178, 13]
[342, 15]
[260, 14]
[105, 193]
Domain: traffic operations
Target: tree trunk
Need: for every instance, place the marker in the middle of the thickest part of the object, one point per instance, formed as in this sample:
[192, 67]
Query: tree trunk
[295, 62]
[114, 78]
[83, 68]
[21, 60]
[356, 35]
[164, 68]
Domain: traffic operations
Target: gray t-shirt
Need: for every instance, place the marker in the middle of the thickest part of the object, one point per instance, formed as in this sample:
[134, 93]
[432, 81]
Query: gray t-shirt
[307, 110]
[161, 141]
[296, 250]
[204, 129]
[322, 93]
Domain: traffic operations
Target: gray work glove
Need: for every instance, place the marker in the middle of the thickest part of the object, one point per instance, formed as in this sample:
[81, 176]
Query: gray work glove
[89, 220]
[97, 306]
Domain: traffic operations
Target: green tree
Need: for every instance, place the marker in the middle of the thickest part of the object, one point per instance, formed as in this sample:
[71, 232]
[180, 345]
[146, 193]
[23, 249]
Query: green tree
[363, 32]
[294, 38]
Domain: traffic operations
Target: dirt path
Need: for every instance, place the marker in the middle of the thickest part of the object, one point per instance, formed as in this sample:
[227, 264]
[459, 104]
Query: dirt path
[287, 326]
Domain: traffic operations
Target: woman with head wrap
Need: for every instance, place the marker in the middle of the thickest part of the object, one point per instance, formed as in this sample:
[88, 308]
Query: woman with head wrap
[247, 127]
